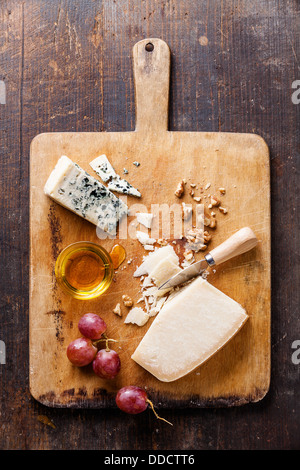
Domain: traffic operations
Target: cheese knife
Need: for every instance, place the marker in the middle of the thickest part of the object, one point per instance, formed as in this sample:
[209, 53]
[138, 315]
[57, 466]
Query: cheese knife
[240, 242]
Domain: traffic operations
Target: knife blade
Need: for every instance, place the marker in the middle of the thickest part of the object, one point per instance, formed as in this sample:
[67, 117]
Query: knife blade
[237, 244]
[186, 274]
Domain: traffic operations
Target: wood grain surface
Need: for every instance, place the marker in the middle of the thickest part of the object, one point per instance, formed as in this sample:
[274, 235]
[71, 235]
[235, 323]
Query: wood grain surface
[68, 68]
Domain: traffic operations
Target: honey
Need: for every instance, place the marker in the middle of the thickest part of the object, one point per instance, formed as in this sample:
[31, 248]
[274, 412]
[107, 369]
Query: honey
[84, 270]
[117, 254]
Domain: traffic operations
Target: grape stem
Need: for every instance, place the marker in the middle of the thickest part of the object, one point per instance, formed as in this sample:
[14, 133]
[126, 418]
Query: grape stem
[106, 342]
[158, 417]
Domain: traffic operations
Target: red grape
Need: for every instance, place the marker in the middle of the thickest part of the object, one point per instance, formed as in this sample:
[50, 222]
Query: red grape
[132, 399]
[81, 352]
[91, 326]
[106, 364]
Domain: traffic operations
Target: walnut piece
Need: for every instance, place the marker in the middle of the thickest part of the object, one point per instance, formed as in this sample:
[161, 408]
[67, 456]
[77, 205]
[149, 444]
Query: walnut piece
[197, 239]
[202, 247]
[215, 201]
[195, 234]
[127, 301]
[212, 223]
[162, 242]
[188, 255]
[117, 310]
[222, 209]
[206, 236]
[180, 189]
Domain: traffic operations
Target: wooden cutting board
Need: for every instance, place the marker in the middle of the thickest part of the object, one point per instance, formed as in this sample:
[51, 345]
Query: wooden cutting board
[240, 372]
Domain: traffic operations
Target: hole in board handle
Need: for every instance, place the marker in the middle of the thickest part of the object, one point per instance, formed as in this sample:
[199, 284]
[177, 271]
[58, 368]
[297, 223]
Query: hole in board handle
[149, 47]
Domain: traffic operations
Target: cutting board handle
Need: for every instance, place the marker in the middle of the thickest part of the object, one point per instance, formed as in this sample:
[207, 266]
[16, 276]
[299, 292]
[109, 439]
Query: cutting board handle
[151, 69]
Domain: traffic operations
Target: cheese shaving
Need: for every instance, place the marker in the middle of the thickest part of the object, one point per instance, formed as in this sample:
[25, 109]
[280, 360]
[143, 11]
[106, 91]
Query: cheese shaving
[137, 316]
[145, 219]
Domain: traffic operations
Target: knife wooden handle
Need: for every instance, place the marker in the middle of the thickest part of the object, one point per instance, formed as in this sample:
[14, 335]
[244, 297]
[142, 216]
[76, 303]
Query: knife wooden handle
[240, 242]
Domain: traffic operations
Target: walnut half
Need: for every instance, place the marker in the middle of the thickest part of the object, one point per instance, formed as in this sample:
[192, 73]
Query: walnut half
[127, 301]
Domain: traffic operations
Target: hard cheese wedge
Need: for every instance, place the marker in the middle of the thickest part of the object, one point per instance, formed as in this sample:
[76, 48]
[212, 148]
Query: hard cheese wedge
[189, 329]
[73, 188]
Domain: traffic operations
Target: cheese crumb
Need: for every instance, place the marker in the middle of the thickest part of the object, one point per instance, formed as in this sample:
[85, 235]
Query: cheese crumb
[137, 316]
[145, 219]
[149, 247]
[187, 211]
[144, 238]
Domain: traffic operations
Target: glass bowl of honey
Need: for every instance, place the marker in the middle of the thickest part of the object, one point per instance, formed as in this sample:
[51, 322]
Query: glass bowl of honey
[84, 270]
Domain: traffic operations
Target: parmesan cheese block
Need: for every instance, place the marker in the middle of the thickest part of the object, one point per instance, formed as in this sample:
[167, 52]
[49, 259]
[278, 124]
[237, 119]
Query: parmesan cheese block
[189, 329]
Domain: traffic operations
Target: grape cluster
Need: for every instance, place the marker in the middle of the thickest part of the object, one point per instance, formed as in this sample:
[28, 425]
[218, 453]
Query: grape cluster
[106, 363]
[82, 351]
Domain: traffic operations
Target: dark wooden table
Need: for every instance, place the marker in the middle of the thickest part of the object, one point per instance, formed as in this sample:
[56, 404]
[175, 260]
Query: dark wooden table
[66, 66]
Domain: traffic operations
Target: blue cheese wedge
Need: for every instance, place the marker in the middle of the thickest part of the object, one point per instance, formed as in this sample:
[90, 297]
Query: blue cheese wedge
[122, 186]
[105, 170]
[72, 187]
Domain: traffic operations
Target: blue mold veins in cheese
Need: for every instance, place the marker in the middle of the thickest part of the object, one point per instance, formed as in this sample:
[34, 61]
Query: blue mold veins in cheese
[104, 169]
[72, 187]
